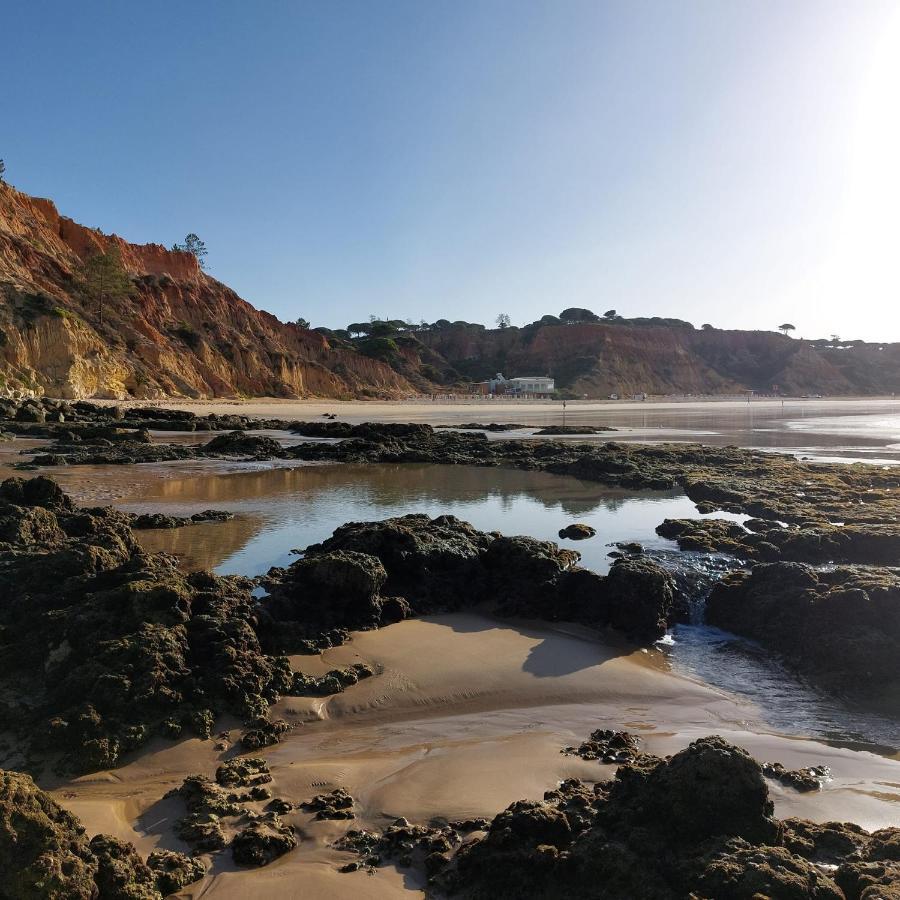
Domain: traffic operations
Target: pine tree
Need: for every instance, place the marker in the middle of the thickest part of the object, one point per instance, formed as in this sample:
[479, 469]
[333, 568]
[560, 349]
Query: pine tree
[193, 244]
[105, 278]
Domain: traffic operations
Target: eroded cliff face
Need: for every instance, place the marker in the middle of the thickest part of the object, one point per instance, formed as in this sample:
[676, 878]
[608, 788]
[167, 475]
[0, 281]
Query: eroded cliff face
[598, 359]
[181, 332]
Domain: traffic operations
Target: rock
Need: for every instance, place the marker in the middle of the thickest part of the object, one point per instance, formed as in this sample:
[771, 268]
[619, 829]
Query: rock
[432, 563]
[840, 627]
[31, 413]
[630, 547]
[336, 805]
[121, 873]
[202, 832]
[697, 824]
[332, 682]
[869, 880]
[203, 796]
[639, 595]
[243, 771]
[263, 841]
[43, 849]
[239, 443]
[551, 430]
[884, 845]
[320, 592]
[212, 515]
[747, 872]
[607, 746]
[710, 789]
[523, 574]
[809, 779]
[577, 532]
[825, 843]
[264, 733]
[174, 871]
[402, 843]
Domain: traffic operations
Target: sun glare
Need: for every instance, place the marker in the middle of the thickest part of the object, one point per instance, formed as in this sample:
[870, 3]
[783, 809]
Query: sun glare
[870, 246]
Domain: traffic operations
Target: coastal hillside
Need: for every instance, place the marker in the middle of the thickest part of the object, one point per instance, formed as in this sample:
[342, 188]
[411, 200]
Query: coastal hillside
[595, 359]
[175, 330]
[171, 329]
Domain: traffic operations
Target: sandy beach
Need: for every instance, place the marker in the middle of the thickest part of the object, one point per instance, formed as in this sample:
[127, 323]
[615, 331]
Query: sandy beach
[466, 715]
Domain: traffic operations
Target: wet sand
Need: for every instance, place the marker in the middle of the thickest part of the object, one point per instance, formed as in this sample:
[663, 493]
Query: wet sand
[466, 715]
[865, 429]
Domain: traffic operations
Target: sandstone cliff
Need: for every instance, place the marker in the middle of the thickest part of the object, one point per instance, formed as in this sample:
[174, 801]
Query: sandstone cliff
[181, 332]
[597, 359]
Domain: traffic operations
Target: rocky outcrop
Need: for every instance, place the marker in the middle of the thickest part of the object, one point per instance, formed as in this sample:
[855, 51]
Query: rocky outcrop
[120, 645]
[696, 824]
[181, 332]
[766, 541]
[840, 627]
[45, 854]
[370, 574]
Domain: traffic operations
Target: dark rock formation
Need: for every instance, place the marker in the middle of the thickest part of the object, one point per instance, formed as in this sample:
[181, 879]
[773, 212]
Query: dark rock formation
[841, 626]
[814, 542]
[337, 804]
[607, 746]
[174, 871]
[373, 573]
[45, 854]
[559, 430]
[121, 873]
[809, 779]
[121, 644]
[697, 824]
[263, 841]
[239, 443]
[578, 531]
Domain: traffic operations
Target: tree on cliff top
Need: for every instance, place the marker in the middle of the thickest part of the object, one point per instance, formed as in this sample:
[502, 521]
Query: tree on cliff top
[786, 327]
[2, 169]
[503, 321]
[575, 314]
[193, 244]
[105, 279]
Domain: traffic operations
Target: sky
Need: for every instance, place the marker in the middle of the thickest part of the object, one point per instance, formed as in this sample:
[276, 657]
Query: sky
[735, 162]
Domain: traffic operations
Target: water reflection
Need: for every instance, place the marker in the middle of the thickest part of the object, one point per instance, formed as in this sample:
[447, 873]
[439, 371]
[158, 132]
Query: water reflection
[282, 508]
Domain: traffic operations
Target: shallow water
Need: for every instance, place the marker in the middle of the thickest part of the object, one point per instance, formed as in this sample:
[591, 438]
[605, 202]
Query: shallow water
[282, 508]
[279, 508]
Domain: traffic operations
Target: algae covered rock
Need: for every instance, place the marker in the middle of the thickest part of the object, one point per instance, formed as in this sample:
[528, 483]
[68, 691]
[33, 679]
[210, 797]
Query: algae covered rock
[578, 531]
[839, 626]
[174, 871]
[44, 852]
[744, 872]
[121, 873]
[239, 443]
[639, 595]
[263, 841]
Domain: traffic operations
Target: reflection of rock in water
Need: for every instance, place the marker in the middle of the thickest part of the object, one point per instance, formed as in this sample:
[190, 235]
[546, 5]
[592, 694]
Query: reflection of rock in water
[203, 546]
[386, 485]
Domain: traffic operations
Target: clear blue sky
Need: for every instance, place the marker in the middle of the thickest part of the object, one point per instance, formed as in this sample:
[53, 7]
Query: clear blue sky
[723, 161]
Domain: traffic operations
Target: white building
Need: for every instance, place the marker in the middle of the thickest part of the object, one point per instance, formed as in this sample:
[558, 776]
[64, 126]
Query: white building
[535, 385]
[524, 386]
